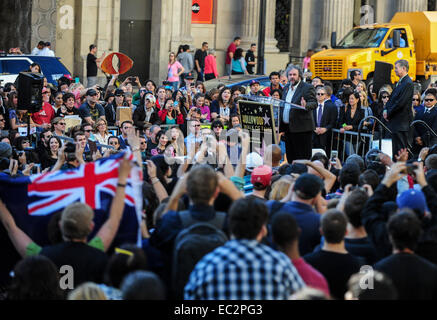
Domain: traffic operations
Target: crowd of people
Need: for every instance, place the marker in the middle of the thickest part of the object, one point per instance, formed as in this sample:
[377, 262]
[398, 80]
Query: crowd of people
[220, 219]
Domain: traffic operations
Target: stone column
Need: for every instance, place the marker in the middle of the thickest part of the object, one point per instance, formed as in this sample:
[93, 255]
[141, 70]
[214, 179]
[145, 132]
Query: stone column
[250, 25]
[411, 5]
[338, 16]
[181, 24]
[271, 42]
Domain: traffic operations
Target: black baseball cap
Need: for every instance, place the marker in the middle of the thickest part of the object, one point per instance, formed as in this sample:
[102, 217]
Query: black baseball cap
[308, 186]
[190, 76]
[119, 92]
[91, 92]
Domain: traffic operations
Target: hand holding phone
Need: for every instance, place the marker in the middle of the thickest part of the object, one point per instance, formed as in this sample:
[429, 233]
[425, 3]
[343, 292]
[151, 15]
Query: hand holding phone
[334, 156]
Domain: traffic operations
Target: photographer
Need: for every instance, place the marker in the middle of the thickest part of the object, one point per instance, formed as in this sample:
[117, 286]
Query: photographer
[26, 154]
[70, 157]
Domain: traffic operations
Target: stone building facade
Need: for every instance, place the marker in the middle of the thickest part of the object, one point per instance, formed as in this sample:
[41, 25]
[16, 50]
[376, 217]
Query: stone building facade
[148, 30]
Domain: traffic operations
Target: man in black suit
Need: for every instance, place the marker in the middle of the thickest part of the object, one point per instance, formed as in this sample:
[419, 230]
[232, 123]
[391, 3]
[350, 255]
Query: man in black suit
[422, 137]
[398, 111]
[296, 126]
[325, 118]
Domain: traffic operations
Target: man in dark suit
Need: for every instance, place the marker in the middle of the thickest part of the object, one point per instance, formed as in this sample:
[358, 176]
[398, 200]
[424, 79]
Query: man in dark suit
[398, 111]
[296, 126]
[325, 118]
[423, 137]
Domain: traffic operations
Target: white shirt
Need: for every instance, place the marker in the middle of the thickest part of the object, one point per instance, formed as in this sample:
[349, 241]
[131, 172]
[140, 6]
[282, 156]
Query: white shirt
[429, 109]
[47, 52]
[36, 52]
[288, 98]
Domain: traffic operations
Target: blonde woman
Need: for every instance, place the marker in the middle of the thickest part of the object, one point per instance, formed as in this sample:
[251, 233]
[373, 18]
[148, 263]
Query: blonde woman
[281, 188]
[87, 291]
[101, 131]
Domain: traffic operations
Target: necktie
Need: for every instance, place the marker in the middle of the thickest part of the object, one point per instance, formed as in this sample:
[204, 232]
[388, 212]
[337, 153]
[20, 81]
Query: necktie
[319, 116]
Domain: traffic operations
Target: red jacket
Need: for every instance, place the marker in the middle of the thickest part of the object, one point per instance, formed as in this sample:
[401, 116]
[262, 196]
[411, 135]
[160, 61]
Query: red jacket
[163, 114]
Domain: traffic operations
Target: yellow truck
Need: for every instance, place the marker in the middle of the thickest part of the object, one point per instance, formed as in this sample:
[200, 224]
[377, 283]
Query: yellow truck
[409, 35]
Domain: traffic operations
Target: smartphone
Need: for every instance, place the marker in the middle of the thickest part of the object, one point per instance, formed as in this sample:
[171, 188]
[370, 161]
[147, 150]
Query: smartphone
[76, 80]
[334, 155]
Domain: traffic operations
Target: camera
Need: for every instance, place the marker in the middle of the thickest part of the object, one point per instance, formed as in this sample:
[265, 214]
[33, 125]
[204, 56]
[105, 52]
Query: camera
[70, 151]
[165, 83]
[34, 170]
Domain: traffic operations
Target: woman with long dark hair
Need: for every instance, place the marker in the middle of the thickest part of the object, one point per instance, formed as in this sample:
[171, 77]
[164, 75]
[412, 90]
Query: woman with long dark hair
[171, 113]
[51, 158]
[239, 63]
[223, 107]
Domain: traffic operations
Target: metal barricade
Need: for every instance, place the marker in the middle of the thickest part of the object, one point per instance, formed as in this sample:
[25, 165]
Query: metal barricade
[429, 130]
[350, 142]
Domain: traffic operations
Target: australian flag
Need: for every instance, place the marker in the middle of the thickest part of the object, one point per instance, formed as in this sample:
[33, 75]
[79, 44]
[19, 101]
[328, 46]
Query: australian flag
[34, 200]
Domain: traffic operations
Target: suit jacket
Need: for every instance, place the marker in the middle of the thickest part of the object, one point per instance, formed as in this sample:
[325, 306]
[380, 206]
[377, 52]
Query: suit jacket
[399, 113]
[139, 117]
[329, 116]
[431, 120]
[300, 120]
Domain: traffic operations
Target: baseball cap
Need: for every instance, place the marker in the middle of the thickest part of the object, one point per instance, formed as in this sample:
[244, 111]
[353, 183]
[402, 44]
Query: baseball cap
[118, 92]
[253, 160]
[76, 220]
[254, 82]
[412, 199]
[91, 92]
[151, 98]
[5, 150]
[262, 174]
[308, 186]
[190, 76]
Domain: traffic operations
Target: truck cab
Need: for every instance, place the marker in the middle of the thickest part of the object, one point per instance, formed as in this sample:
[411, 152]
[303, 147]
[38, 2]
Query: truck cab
[361, 47]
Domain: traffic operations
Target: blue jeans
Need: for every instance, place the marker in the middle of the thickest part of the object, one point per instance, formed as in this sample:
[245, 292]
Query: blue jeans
[175, 85]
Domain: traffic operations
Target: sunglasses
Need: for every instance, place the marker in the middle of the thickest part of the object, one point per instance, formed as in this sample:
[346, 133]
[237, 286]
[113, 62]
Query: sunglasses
[218, 127]
[62, 123]
[119, 95]
[25, 141]
[416, 100]
[320, 94]
[385, 97]
[111, 143]
[2, 120]
[197, 125]
[429, 100]
[88, 130]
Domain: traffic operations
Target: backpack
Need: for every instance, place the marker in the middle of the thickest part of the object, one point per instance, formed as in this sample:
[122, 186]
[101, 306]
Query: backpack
[193, 242]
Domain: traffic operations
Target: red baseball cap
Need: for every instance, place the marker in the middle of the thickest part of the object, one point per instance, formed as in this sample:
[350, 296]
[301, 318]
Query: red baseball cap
[262, 174]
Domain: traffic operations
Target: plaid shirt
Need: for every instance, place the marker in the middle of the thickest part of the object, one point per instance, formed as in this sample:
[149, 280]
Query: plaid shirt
[243, 270]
